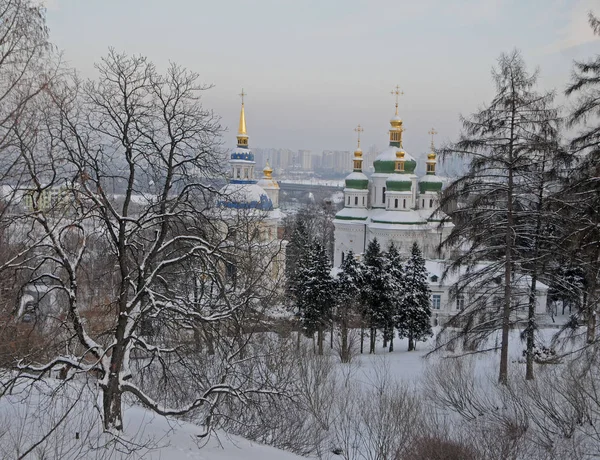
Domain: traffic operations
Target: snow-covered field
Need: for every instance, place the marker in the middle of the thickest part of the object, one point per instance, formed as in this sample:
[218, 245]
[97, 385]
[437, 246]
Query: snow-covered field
[30, 412]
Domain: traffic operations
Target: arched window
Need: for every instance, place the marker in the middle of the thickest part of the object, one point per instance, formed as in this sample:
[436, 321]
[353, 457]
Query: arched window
[348, 201]
[423, 203]
[383, 196]
[430, 203]
[355, 201]
[404, 203]
[363, 200]
[343, 256]
[396, 203]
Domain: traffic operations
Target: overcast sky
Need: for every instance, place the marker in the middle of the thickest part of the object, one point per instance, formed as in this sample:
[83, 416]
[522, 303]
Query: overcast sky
[314, 69]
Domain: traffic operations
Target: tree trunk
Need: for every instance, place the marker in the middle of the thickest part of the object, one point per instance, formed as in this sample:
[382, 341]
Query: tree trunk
[503, 371]
[362, 337]
[530, 327]
[345, 353]
[331, 335]
[391, 343]
[320, 339]
[111, 402]
[411, 343]
[372, 340]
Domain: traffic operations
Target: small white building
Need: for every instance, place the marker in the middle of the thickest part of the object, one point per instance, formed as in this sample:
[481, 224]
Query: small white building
[445, 303]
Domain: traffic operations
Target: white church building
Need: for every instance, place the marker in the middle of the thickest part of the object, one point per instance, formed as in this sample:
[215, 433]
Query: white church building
[393, 205]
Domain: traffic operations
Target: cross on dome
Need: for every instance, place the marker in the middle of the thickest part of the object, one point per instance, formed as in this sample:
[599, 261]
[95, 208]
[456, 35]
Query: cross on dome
[433, 132]
[396, 91]
[359, 129]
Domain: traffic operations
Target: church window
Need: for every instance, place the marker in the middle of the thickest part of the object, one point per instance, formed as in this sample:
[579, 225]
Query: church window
[348, 201]
[404, 203]
[355, 201]
[396, 203]
[383, 196]
[245, 173]
[363, 200]
[343, 256]
[430, 203]
[436, 301]
[423, 203]
[237, 173]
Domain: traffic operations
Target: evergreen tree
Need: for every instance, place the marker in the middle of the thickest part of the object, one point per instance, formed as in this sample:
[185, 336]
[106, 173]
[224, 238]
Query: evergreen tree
[395, 290]
[499, 141]
[414, 316]
[375, 295]
[349, 284]
[296, 258]
[584, 186]
[315, 292]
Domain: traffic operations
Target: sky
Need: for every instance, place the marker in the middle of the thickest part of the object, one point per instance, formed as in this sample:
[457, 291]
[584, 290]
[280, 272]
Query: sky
[314, 69]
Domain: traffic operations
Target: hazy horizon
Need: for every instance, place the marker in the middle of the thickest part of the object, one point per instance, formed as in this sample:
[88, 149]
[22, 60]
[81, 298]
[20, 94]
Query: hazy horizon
[313, 70]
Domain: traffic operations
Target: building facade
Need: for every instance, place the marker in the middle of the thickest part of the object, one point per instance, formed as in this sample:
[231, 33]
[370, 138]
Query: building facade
[393, 205]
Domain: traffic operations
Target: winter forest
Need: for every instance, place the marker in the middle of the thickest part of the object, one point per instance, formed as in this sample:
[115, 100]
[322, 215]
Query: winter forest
[140, 318]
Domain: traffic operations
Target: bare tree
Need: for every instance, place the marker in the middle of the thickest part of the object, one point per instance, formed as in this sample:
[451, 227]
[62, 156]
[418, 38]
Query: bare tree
[123, 170]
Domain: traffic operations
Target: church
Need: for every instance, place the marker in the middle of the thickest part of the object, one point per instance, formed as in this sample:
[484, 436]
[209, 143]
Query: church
[244, 194]
[393, 205]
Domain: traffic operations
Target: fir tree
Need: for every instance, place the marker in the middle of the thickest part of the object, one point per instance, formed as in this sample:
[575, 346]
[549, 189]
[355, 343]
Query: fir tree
[296, 258]
[315, 292]
[395, 290]
[414, 317]
[375, 296]
[349, 284]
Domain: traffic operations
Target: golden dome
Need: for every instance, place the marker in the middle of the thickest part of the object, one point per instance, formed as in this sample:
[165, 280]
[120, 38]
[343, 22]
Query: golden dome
[431, 156]
[268, 171]
[396, 122]
[400, 154]
[358, 153]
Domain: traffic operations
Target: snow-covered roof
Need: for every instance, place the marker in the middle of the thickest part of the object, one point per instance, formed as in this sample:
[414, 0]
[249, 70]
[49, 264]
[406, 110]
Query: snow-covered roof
[399, 217]
[399, 178]
[356, 176]
[353, 213]
[265, 183]
[389, 154]
[431, 178]
[246, 196]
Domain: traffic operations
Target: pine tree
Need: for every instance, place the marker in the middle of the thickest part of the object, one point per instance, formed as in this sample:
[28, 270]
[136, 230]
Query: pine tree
[315, 292]
[375, 295]
[349, 284]
[414, 316]
[395, 271]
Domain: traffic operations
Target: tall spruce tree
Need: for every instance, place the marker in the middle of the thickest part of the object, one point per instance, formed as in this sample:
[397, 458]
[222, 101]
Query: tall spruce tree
[297, 252]
[375, 295]
[396, 290]
[315, 292]
[584, 186]
[349, 284]
[414, 315]
[498, 142]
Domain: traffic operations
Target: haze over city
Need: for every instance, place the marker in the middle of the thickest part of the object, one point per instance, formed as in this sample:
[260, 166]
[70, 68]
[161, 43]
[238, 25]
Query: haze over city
[313, 70]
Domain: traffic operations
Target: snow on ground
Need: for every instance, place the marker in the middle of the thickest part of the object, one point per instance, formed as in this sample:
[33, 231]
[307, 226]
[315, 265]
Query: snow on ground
[25, 415]
[31, 411]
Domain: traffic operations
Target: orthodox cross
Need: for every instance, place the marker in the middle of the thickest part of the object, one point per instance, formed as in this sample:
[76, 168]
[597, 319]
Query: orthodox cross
[396, 91]
[433, 132]
[358, 130]
[242, 94]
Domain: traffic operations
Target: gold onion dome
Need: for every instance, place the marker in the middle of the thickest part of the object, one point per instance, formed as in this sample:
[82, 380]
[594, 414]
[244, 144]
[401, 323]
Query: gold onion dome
[400, 154]
[396, 122]
[431, 156]
[268, 172]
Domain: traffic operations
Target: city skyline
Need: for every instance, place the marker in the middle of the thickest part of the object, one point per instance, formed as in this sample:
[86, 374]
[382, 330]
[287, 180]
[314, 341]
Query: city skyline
[313, 71]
